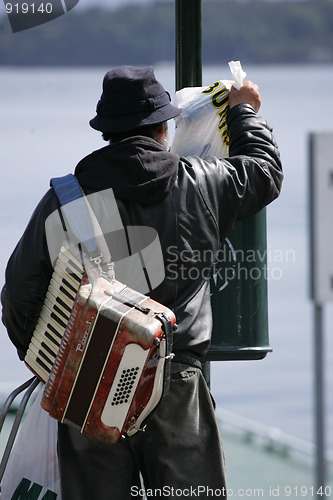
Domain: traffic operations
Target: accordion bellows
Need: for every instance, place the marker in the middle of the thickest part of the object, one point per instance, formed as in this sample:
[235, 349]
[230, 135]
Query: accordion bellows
[105, 371]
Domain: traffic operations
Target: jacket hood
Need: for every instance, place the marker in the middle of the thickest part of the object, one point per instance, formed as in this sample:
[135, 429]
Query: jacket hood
[138, 169]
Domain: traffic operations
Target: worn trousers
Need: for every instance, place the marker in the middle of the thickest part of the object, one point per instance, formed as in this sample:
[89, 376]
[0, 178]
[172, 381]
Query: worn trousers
[178, 455]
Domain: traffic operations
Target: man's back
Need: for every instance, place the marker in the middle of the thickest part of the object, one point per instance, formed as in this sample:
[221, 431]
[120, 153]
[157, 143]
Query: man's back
[191, 205]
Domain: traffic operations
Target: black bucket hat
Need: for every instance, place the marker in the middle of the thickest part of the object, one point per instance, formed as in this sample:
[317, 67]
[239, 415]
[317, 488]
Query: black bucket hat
[132, 98]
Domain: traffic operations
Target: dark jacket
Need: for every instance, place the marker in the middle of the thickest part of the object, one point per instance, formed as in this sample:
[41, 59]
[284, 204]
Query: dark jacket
[191, 203]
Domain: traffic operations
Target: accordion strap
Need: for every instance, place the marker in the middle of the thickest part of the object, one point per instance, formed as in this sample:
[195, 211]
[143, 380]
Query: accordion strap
[67, 188]
[79, 217]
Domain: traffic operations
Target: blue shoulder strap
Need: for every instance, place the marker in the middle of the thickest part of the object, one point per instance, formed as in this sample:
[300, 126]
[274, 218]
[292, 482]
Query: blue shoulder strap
[67, 188]
[77, 216]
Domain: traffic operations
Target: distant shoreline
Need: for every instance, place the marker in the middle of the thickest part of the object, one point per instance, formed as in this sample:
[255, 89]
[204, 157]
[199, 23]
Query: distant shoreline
[145, 34]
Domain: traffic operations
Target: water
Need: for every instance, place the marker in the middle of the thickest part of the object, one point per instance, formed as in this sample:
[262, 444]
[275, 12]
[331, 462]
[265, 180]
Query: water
[45, 132]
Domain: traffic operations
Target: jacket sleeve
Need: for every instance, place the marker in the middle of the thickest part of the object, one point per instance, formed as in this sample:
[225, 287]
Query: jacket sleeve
[250, 178]
[27, 278]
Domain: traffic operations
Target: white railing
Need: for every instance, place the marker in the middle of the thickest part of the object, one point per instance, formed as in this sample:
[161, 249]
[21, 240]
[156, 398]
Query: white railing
[270, 438]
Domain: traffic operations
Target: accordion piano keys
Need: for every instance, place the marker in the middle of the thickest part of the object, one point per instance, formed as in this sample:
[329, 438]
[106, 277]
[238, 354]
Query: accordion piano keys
[54, 316]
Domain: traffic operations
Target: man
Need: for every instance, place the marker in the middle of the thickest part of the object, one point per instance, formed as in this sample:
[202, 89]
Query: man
[192, 204]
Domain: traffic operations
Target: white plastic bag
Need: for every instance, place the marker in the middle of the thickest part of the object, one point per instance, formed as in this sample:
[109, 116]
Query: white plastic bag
[201, 127]
[32, 470]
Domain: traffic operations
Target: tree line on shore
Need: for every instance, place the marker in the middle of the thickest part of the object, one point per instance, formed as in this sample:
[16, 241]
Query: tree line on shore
[255, 31]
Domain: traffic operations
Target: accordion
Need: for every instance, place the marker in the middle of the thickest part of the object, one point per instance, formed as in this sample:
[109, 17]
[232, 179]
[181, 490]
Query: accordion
[103, 351]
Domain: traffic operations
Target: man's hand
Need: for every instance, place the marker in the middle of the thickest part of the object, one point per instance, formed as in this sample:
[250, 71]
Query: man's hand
[247, 94]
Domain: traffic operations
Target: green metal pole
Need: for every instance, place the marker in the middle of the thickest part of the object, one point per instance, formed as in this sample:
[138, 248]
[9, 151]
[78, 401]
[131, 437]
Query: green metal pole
[189, 61]
[188, 43]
